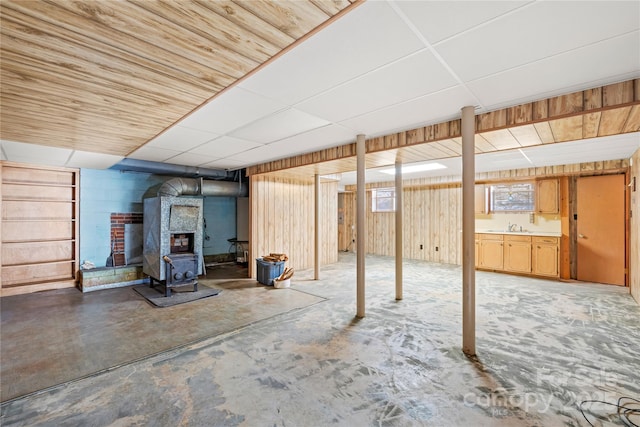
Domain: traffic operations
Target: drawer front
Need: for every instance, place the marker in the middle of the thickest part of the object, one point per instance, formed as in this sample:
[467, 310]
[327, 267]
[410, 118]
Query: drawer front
[516, 238]
[547, 240]
[489, 236]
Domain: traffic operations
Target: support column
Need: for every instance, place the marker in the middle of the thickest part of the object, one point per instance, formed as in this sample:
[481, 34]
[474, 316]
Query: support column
[361, 206]
[468, 232]
[398, 230]
[316, 217]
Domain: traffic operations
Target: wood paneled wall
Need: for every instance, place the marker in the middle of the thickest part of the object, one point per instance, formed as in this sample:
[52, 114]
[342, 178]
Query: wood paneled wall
[634, 243]
[39, 228]
[282, 220]
[432, 211]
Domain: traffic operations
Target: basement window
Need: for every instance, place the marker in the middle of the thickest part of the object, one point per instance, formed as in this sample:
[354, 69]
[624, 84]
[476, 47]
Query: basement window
[514, 197]
[383, 200]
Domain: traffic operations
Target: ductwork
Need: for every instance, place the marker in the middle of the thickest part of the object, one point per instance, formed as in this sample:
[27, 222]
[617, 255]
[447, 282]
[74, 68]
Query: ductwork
[201, 187]
[135, 165]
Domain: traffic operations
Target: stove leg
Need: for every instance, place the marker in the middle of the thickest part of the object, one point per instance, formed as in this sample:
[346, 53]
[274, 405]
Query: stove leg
[167, 291]
[195, 287]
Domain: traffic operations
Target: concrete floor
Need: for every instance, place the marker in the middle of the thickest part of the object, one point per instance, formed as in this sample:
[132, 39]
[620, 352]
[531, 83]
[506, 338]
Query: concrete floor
[543, 347]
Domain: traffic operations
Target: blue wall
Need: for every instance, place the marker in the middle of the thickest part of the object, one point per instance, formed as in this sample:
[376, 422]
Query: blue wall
[105, 191]
[220, 217]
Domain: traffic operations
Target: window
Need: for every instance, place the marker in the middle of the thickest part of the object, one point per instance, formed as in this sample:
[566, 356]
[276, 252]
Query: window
[516, 197]
[383, 200]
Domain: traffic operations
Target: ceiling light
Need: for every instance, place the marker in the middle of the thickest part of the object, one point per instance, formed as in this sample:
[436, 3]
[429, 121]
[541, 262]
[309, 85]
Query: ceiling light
[416, 168]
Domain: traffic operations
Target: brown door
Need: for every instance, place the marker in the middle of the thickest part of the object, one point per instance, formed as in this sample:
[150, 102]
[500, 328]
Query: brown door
[601, 229]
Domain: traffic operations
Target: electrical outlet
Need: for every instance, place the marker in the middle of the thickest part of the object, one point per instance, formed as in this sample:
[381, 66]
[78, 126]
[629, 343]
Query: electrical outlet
[436, 249]
[420, 247]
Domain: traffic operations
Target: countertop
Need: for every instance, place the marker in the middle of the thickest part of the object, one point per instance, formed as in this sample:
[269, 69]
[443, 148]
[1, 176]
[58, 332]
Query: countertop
[522, 233]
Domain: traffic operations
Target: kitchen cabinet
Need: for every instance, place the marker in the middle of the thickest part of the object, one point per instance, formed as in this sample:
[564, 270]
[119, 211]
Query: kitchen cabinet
[545, 256]
[480, 199]
[491, 251]
[547, 200]
[517, 253]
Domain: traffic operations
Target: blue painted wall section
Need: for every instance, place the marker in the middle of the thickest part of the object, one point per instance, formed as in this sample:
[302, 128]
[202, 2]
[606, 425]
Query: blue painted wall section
[220, 217]
[105, 191]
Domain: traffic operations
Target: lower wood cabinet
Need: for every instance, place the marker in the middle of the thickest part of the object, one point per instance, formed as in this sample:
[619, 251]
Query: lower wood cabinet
[517, 253]
[545, 256]
[491, 251]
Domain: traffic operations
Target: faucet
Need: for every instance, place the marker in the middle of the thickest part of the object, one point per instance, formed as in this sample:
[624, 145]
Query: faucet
[513, 227]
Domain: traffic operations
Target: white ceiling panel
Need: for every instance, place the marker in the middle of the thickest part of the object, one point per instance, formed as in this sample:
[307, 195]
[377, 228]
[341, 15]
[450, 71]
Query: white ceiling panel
[595, 65]
[588, 150]
[234, 108]
[153, 154]
[501, 161]
[438, 20]
[444, 105]
[261, 154]
[279, 125]
[224, 164]
[411, 77]
[224, 146]
[181, 138]
[32, 153]
[190, 159]
[368, 37]
[84, 159]
[317, 139]
[535, 32]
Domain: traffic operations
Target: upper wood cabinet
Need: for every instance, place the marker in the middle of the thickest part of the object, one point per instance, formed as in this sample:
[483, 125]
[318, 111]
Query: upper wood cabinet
[481, 199]
[547, 197]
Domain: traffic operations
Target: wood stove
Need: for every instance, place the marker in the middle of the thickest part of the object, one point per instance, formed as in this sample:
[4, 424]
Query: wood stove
[172, 254]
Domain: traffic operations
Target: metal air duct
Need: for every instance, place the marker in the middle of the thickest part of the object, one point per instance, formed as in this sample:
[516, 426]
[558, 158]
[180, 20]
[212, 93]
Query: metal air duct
[200, 187]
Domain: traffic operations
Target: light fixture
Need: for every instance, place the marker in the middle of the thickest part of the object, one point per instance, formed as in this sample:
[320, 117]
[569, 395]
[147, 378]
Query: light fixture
[416, 168]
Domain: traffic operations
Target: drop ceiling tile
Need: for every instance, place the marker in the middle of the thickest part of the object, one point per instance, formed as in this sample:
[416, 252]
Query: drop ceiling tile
[84, 159]
[234, 108]
[501, 160]
[261, 154]
[602, 63]
[279, 125]
[368, 37]
[440, 106]
[411, 77]
[190, 159]
[534, 32]
[588, 150]
[34, 153]
[225, 164]
[180, 138]
[224, 146]
[317, 139]
[153, 154]
[438, 20]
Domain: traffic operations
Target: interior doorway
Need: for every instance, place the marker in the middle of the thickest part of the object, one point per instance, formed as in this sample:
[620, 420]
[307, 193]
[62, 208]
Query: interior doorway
[601, 229]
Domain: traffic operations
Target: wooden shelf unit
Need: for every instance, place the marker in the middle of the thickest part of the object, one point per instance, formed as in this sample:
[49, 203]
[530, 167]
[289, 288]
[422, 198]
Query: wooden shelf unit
[39, 228]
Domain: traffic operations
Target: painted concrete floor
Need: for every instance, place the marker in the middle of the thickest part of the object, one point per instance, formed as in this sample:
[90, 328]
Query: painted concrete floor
[543, 347]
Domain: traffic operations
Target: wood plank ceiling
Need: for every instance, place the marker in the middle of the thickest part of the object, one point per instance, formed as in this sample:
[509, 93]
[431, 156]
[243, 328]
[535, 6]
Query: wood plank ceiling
[107, 76]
